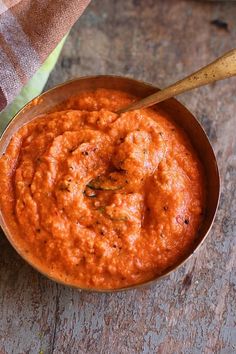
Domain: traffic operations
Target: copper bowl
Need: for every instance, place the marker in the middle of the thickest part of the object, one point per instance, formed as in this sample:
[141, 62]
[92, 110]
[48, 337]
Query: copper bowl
[47, 101]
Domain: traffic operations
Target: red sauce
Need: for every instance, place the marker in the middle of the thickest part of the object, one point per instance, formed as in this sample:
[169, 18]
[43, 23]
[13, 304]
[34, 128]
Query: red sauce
[101, 200]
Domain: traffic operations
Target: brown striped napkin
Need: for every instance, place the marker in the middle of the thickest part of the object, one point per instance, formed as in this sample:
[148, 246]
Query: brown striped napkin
[29, 31]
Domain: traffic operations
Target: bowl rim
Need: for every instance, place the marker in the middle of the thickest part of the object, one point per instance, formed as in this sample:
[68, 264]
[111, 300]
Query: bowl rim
[169, 270]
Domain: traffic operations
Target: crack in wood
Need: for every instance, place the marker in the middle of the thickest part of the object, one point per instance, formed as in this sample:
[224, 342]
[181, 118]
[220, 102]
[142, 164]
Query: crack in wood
[56, 320]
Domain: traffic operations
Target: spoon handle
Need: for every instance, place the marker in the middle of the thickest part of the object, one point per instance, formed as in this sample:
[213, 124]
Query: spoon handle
[219, 69]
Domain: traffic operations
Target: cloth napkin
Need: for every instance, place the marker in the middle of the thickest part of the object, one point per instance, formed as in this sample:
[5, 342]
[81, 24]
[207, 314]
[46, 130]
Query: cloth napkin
[29, 31]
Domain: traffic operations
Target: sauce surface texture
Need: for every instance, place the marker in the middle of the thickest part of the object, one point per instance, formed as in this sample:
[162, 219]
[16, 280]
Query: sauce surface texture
[101, 200]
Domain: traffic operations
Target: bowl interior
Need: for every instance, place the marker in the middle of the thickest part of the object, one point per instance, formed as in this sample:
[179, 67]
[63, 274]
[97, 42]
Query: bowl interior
[48, 100]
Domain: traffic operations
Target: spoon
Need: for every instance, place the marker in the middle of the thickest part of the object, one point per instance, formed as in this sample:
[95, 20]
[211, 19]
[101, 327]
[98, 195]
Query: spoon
[219, 69]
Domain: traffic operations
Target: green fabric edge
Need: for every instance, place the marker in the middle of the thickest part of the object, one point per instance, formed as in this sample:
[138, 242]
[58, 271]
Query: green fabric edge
[33, 87]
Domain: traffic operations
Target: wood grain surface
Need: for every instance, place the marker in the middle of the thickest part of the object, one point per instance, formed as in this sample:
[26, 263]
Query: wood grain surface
[193, 310]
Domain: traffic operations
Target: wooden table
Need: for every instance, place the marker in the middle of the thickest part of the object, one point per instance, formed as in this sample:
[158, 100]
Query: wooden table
[193, 310]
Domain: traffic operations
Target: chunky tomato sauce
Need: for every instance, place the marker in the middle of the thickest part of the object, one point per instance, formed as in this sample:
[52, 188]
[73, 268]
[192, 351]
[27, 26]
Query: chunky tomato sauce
[101, 200]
